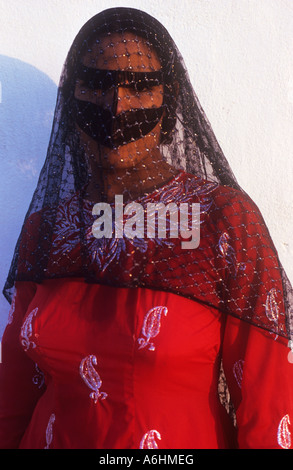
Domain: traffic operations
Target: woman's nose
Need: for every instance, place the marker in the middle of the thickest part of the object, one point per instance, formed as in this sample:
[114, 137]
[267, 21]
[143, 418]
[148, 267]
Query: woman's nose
[120, 100]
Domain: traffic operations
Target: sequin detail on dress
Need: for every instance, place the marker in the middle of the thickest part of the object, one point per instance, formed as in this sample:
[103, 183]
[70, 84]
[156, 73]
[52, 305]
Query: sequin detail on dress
[238, 371]
[49, 431]
[284, 434]
[151, 326]
[149, 440]
[27, 330]
[91, 377]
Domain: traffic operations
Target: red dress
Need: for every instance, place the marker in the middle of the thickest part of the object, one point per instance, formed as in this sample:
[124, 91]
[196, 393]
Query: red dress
[94, 366]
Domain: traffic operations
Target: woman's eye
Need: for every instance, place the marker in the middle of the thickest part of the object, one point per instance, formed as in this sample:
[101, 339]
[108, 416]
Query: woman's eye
[142, 87]
[92, 86]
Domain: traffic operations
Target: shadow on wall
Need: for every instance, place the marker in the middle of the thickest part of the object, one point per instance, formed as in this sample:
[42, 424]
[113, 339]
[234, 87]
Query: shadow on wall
[27, 102]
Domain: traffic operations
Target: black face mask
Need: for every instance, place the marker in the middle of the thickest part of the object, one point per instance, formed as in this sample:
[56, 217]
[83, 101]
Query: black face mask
[103, 124]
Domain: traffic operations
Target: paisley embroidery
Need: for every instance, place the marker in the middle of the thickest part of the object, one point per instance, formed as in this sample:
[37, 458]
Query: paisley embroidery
[11, 310]
[228, 253]
[272, 309]
[91, 377]
[149, 440]
[39, 378]
[27, 330]
[238, 372]
[105, 251]
[284, 434]
[49, 431]
[151, 326]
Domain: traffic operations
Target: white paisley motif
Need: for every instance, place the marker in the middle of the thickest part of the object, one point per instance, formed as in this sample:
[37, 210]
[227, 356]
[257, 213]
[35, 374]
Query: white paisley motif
[272, 309]
[284, 434]
[148, 441]
[151, 326]
[49, 431]
[91, 377]
[27, 330]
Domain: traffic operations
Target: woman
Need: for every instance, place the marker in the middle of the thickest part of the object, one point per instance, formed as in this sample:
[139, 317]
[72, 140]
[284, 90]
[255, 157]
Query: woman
[119, 338]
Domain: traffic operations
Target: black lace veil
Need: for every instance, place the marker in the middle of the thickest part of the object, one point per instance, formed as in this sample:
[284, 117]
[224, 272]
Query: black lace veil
[187, 143]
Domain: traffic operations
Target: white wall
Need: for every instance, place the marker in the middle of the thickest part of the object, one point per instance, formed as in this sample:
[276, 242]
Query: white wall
[239, 56]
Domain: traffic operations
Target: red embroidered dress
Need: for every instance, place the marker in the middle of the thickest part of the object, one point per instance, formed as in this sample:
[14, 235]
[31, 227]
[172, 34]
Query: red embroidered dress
[94, 365]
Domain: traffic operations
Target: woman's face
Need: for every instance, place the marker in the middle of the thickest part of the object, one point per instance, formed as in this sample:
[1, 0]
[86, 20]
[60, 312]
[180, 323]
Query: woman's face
[123, 53]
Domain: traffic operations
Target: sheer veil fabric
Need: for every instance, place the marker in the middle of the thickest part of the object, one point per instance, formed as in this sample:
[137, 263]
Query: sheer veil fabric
[175, 158]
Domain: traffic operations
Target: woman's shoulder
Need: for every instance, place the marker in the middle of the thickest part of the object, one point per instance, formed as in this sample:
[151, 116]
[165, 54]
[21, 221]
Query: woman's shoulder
[222, 194]
[225, 207]
[49, 212]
